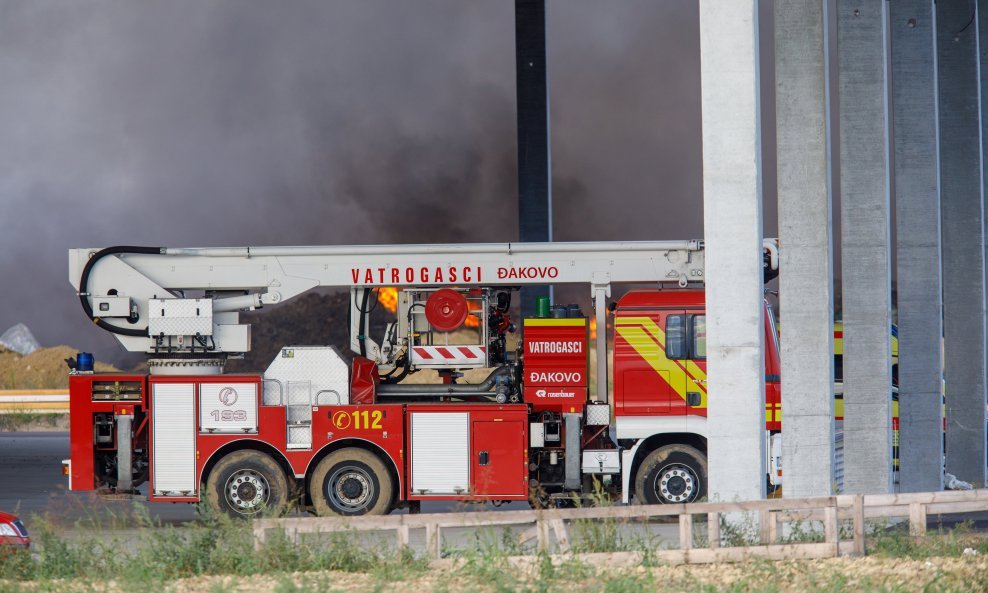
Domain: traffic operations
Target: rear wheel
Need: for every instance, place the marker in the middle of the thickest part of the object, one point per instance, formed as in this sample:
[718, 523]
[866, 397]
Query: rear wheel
[672, 474]
[351, 481]
[245, 483]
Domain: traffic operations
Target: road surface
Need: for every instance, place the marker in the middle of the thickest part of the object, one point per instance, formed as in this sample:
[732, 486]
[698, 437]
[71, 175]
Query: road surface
[31, 482]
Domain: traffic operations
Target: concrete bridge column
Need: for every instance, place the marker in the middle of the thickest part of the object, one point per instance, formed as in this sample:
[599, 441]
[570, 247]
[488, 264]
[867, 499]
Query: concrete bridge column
[917, 213]
[806, 285]
[962, 211]
[862, 38]
[732, 200]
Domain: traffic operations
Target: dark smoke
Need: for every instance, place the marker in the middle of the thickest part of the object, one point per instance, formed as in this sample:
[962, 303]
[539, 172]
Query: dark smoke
[237, 122]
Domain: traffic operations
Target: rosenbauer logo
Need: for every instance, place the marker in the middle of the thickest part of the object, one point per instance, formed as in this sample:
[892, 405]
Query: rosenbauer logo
[546, 394]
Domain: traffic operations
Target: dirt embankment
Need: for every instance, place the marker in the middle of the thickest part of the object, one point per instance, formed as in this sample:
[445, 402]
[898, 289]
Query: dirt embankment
[42, 369]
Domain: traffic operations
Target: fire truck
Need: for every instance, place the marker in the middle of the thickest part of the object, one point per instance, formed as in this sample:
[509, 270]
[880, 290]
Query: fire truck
[351, 435]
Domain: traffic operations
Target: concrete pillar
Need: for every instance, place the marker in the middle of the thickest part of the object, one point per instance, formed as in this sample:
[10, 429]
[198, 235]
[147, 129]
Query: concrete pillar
[917, 214]
[534, 147]
[732, 220]
[862, 41]
[806, 285]
[982, 17]
[962, 211]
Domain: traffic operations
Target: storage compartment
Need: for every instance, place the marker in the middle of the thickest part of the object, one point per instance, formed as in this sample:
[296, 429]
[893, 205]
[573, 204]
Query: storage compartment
[440, 462]
[173, 447]
[469, 451]
[601, 461]
[556, 364]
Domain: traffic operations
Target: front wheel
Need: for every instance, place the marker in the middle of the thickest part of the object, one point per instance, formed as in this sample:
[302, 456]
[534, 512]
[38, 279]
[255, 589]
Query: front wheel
[672, 474]
[351, 481]
[245, 483]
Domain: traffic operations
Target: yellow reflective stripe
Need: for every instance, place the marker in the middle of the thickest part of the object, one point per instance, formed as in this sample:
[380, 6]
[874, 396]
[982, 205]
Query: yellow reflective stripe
[773, 411]
[694, 374]
[654, 355]
[555, 322]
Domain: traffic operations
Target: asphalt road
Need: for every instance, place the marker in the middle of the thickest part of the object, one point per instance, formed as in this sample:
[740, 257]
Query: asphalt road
[31, 482]
[32, 486]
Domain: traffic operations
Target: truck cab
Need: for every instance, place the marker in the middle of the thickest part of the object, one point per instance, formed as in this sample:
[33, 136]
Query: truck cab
[660, 393]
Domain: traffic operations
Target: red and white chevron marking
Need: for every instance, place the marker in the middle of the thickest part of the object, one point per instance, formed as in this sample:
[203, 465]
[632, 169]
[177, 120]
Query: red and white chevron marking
[449, 355]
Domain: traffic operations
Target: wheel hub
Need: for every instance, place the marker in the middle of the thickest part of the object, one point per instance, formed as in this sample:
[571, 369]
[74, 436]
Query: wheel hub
[350, 488]
[676, 483]
[246, 491]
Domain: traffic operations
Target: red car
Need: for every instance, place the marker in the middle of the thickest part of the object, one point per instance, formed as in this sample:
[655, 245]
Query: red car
[12, 532]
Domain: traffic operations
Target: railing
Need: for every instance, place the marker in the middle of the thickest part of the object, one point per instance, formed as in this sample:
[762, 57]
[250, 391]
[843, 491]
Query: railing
[34, 401]
[768, 517]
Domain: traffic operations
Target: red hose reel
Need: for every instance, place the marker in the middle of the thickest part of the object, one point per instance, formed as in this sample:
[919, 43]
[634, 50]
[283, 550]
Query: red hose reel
[446, 310]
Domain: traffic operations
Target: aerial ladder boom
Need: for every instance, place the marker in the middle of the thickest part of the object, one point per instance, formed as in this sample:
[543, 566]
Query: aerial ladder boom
[186, 301]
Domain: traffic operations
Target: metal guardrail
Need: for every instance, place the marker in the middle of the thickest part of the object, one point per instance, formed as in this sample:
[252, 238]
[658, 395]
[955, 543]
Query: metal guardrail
[34, 401]
[770, 518]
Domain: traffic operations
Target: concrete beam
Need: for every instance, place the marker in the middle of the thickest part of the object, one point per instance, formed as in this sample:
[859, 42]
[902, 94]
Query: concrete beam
[962, 211]
[862, 40]
[917, 214]
[732, 204]
[806, 285]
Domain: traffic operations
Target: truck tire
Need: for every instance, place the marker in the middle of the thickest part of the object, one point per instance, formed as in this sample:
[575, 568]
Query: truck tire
[672, 474]
[245, 483]
[351, 482]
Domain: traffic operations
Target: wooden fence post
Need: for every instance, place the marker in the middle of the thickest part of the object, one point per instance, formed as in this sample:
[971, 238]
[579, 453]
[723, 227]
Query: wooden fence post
[713, 530]
[562, 538]
[403, 537]
[859, 525]
[917, 519]
[765, 519]
[542, 529]
[260, 535]
[831, 529]
[433, 540]
[686, 531]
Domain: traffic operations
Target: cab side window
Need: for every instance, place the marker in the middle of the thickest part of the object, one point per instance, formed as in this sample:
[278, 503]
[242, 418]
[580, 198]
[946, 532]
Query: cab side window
[676, 337]
[699, 323]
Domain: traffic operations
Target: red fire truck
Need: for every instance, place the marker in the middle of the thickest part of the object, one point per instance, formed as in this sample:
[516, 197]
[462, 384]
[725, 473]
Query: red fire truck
[350, 437]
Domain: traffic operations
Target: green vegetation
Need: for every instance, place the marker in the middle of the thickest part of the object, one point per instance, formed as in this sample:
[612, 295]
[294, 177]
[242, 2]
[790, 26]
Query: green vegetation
[216, 554]
[15, 421]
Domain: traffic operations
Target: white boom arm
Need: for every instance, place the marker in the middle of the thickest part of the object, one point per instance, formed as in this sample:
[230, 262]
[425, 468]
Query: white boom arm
[127, 291]
[187, 300]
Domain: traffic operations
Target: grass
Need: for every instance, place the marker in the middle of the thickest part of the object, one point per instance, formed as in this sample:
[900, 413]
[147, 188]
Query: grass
[216, 554]
[14, 421]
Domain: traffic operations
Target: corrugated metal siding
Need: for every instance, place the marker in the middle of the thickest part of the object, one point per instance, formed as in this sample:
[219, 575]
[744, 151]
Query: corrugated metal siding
[440, 452]
[174, 438]
[839, 456]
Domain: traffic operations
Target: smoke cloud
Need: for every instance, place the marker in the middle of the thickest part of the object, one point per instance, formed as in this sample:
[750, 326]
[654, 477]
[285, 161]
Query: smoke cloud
[241, 122]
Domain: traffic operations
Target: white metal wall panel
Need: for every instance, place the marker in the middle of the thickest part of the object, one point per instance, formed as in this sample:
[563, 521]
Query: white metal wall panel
[228, 407]
[180, 317]
[174, 434]
[440, 452]
[321, 367]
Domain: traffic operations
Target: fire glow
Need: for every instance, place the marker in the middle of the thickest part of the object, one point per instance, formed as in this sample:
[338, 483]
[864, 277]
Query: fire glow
[388, 297]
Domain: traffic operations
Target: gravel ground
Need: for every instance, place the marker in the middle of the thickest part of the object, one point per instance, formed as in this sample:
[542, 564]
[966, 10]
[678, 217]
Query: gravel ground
[961, 574]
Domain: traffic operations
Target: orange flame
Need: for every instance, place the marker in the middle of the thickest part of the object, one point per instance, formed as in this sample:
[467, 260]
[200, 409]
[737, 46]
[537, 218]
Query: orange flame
[388, 297]
[593, 328]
